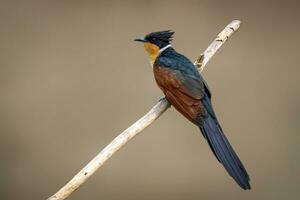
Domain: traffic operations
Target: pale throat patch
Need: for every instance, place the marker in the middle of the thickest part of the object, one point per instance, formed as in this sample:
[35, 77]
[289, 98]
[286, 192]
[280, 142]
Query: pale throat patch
[154, 51]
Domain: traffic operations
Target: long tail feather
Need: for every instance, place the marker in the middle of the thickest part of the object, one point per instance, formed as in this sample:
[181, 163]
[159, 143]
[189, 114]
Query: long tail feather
[222, 149]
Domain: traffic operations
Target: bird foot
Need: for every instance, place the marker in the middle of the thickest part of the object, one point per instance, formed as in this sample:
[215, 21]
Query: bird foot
[162, 98]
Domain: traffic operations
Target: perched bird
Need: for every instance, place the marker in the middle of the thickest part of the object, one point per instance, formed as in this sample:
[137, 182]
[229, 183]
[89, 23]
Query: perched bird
[188, 92]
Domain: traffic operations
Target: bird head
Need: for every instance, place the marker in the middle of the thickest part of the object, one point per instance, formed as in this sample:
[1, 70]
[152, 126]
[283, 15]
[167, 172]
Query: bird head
[155, 42]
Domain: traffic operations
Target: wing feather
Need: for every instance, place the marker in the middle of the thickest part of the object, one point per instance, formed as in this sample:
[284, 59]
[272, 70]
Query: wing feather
[183, 91]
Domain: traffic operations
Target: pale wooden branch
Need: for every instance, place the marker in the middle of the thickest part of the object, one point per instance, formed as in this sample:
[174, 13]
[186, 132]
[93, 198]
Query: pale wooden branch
[142, 123]
[222, 37]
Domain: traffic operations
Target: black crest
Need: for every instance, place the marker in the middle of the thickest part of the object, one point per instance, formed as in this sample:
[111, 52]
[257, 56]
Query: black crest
[160, 38]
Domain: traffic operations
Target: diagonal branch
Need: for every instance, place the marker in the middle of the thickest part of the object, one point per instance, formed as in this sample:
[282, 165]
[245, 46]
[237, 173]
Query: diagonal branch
[142, 123]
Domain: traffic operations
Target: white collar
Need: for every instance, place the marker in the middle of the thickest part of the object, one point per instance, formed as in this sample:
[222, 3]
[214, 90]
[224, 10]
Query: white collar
[162, 49]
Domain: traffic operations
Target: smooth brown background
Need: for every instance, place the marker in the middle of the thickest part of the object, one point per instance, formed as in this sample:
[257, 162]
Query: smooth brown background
[71, 79]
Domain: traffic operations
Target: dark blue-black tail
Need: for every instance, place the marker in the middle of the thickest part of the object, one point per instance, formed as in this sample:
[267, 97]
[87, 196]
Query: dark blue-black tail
[222, 149]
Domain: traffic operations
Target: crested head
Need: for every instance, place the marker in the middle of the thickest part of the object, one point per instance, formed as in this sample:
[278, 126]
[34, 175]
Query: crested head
[156, 42]
[161, 38]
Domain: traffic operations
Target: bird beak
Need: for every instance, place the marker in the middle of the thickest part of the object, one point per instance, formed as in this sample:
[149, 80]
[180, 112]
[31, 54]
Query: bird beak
[140, 40]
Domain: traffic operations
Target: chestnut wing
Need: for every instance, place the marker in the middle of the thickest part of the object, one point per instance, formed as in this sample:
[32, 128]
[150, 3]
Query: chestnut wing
[183, 91]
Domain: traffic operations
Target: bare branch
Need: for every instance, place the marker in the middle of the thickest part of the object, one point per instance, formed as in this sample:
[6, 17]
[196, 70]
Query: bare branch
[142, 123]
[216, 44]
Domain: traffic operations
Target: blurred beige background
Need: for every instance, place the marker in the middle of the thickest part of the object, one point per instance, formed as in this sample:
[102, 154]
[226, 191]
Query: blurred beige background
[71, 79]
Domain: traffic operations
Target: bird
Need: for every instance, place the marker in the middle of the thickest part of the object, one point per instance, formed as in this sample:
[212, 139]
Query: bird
[188, 92]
